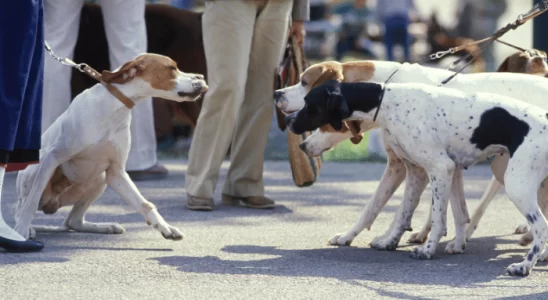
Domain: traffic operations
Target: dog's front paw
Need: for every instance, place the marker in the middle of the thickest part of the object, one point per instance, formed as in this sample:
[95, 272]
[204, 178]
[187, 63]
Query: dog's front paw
[519, 269]
[422, 252]
[526, 238]
[455, 247]
[418, 237]
[340, 240]
[543, 256]
[384, 243]
[522, 228]
[169, 232]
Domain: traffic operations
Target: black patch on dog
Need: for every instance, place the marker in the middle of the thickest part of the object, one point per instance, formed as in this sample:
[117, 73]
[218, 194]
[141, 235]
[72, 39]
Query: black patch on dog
[498, 127]
[333, 102]
[532, 218]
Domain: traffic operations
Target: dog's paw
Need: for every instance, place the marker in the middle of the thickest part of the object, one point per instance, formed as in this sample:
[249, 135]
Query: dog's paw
[169, 232]
[519, 269]
[340, 240]
[522, 228]
[543, 256]
[32, 233]
[384, 243]
[101, 228]
[422, 252]
[418, 238]
[526, 238]
[115, 228]
[455, 247]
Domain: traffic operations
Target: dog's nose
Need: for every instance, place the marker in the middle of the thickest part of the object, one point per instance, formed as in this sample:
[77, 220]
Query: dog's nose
[302, 146]
[277, 95]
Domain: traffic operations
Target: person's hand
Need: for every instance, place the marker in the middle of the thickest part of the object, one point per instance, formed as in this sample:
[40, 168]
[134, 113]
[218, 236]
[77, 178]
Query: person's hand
[298, 32]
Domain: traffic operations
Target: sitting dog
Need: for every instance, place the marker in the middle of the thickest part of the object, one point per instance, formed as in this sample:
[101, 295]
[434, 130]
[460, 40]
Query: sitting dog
[86, 148]
[440, 130]
[291, 99]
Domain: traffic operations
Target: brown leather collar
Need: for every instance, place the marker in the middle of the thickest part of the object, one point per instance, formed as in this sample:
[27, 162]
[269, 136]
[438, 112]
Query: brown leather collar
[112, 89]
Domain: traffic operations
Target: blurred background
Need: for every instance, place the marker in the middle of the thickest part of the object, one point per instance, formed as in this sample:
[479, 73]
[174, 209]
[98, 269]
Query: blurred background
[354, 29]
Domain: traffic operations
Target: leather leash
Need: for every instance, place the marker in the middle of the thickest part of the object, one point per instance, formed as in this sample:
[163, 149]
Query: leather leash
[534, 12]
[84, 68]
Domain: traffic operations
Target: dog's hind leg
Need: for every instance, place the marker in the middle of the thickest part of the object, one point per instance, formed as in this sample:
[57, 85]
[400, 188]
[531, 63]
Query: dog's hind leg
[460, 214]
[522, 181]
[86, 195]
[390, 181]
[415, 183]
[119, 181]
[26, 209]
[492, 189]
[527, 236]
[421, 236]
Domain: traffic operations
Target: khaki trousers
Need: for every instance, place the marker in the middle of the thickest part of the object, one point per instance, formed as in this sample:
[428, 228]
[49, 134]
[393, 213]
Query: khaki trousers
[243, 43]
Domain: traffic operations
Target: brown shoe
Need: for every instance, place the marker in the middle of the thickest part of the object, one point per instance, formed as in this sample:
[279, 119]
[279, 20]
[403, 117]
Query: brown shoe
[155, 172]
[251, 201]
[197, 203]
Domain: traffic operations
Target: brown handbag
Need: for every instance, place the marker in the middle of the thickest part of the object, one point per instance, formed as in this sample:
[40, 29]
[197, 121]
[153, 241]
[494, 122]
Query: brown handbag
[305, 169]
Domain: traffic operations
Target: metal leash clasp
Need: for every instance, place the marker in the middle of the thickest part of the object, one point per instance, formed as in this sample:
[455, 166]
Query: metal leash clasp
[65, 61]
[441, 54]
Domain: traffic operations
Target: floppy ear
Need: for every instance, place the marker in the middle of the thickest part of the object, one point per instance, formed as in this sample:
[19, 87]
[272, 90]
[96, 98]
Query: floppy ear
[126, 73]
[505, 65]
[337, 108]
[328, 74]
[355, 128]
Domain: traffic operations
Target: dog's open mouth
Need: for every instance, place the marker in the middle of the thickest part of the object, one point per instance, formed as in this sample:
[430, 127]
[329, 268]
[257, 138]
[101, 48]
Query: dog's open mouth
[192, 95]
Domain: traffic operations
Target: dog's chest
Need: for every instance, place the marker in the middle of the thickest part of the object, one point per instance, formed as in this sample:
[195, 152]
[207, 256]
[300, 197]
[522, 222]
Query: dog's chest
[93, 161]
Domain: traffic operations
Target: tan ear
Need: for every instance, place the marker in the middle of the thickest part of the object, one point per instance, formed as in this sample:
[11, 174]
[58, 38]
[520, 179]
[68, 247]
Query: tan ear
[126, 73]
[504, 67]
[355, 128]
[328, 74]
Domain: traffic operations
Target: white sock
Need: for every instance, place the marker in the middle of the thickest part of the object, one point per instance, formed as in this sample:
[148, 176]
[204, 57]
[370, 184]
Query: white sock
[5, 230]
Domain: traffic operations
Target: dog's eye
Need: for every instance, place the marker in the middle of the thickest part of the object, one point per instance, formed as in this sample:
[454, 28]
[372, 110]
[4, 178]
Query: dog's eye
[303, 83]
[173, 68]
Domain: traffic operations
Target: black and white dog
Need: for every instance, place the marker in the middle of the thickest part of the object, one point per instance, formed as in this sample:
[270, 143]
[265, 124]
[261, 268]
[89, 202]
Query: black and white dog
[441, 131]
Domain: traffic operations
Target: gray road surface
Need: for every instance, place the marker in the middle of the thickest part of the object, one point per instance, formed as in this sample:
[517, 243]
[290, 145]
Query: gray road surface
[237, 253]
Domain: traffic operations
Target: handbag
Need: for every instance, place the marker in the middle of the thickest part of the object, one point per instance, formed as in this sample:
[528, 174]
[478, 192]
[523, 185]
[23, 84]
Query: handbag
[305, 169]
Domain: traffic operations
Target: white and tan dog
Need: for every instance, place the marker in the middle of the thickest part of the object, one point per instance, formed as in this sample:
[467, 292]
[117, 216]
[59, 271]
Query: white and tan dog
[527, 87]
[86, 148]
[439, 130]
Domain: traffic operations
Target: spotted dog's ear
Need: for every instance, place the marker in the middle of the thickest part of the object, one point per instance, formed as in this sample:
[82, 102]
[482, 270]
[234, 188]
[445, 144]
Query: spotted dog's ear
[337, 107]
[327, 75]
[127, 72]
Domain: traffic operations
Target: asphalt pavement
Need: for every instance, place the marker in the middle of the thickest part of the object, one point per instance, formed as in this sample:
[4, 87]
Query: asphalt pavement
[240, 253]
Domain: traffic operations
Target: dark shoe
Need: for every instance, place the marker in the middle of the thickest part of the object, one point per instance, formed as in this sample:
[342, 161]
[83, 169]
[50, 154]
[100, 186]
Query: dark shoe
[197, 203]
[20, 246]
[155, 172]
[251, 201]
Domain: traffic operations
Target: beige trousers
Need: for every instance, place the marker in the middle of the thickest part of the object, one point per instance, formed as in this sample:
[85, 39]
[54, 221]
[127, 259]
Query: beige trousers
[243, 43]
[126, 34]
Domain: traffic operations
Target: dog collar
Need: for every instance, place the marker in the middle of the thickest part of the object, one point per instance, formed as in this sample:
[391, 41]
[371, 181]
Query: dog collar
[381, 95]
[112, 89]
